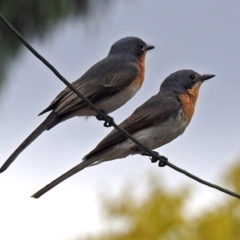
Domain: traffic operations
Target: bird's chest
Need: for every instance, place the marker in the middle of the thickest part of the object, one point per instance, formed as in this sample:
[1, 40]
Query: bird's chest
[187, 107]
[141, 71]
[163, 133]
[181, 121]
[178, 122]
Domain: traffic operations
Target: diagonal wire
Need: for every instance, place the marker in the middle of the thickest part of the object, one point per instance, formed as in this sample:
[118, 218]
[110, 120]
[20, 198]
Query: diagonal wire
[109, 121]
[203, 181]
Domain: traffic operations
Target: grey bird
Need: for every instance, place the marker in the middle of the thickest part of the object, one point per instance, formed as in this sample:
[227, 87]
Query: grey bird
[157, 122]
[109, 84]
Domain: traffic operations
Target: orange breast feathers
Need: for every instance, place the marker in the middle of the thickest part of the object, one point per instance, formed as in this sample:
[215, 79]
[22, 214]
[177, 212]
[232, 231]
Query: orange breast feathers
[189, 100]
[141, 71]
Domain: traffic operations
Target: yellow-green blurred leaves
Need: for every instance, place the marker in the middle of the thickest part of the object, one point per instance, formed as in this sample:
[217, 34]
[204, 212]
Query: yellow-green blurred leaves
[160, 214]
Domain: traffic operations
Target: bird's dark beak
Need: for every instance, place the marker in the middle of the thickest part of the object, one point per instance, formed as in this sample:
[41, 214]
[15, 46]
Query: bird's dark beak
[149, 47]
[207, 76]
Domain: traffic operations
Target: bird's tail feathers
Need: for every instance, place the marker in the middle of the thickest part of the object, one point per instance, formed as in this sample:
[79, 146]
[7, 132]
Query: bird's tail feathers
[63, 177]
[36, 133]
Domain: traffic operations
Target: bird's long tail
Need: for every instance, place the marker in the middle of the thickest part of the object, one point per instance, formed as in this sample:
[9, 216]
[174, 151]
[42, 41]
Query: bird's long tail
[63, 177]
[36, 133]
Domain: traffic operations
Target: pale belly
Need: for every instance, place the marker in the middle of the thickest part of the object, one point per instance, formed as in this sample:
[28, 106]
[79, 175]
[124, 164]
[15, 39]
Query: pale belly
[159, 135]
[152, 137]
[119, 99]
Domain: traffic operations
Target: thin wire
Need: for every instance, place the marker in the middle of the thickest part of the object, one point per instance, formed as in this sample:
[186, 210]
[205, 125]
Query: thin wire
[202, 181]
[109, 121]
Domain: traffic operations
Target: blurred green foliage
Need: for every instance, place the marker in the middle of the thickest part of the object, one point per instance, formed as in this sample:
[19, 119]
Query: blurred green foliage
[162, 215]
[36, 19]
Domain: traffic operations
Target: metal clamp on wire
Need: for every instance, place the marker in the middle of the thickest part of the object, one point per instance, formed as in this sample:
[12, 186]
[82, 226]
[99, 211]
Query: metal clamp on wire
[105, 117]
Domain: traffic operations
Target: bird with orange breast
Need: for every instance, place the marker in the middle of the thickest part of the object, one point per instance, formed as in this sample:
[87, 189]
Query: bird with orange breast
[109, 84]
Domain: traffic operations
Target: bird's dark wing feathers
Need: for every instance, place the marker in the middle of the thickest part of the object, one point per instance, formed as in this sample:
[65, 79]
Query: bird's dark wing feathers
[155, 110]
[105, 78]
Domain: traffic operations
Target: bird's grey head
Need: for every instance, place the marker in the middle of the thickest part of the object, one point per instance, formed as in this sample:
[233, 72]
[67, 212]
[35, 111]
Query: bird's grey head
[130, 46]
[183, 80]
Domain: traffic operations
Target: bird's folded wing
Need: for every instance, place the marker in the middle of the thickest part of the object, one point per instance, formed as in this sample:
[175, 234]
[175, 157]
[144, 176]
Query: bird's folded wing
[106, 78]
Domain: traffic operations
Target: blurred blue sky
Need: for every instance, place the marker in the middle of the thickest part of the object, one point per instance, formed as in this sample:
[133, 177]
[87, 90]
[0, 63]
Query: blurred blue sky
[199, 35]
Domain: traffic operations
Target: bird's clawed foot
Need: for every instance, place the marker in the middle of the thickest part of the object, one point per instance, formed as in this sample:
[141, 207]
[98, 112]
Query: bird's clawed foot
[154, 157]
[105, 117]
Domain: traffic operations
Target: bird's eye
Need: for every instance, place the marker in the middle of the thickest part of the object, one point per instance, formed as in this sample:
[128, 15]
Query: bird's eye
[191, 76]
[142, 46]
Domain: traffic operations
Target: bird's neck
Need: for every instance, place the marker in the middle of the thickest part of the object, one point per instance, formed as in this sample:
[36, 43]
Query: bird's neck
[193, 93]
[189, 100]
[141, 71]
